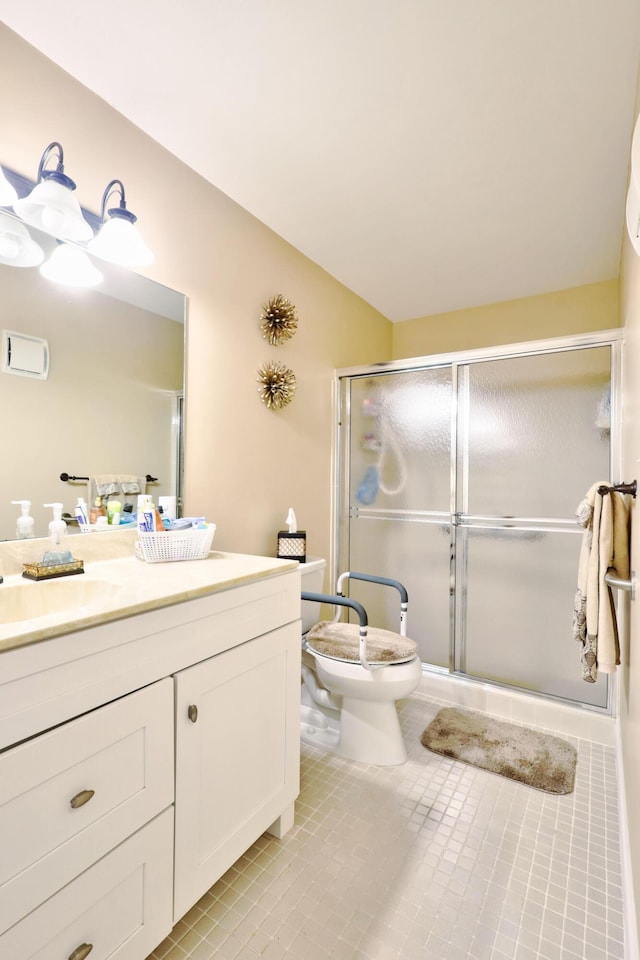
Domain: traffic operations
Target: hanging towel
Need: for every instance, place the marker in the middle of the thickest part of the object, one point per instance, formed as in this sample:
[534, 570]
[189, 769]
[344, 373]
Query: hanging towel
[103, 485]
[605, 544]
[131, 484]
[109, 484]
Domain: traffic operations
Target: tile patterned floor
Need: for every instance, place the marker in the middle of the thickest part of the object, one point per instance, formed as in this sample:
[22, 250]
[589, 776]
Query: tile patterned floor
[432, 860]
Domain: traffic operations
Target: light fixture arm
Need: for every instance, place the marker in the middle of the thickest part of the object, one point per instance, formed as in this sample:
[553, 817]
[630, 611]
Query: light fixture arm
[58, 174]
[116, 187]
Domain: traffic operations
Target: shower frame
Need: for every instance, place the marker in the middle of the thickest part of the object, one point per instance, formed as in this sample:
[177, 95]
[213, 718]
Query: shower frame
[455, 360]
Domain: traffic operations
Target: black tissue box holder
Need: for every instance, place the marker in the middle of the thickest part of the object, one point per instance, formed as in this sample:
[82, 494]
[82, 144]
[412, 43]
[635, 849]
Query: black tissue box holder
[292, 546]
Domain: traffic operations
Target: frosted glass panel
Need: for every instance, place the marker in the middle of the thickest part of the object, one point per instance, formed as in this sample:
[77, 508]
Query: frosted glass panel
[537, 432]
[517, 607]
[417, 554]
[401, 441]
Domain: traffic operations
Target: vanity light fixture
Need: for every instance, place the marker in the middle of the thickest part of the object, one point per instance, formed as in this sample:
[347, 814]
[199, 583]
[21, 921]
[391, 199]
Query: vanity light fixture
[69, 265]
[118, 239]
[51, 205]
[8, 193]
[17, 247]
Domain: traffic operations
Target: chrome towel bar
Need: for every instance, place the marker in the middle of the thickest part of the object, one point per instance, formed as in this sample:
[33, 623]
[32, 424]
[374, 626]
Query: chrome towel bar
[611, 577]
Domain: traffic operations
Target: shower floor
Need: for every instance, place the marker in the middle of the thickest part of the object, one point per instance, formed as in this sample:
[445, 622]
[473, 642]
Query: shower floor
[431, 860]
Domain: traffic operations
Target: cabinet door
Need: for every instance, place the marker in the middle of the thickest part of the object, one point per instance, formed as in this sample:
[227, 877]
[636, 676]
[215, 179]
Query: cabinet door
[119, 909]
[237, 755]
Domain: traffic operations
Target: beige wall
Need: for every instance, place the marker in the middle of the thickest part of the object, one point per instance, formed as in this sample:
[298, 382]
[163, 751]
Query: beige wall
[629, 686]
[245, 465]
[563, 313]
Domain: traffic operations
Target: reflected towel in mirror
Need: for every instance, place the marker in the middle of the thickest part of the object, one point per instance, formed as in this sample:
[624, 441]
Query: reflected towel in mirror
[109, 484]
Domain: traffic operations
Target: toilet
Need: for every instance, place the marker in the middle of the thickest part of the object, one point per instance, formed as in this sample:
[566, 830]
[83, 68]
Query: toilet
[345, 708]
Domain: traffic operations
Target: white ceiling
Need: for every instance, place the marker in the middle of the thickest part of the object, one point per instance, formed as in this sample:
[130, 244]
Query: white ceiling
[430, 154]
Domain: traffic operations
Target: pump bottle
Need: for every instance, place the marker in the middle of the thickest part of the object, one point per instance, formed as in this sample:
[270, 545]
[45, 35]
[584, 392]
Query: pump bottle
[24, 525]
[57, 526]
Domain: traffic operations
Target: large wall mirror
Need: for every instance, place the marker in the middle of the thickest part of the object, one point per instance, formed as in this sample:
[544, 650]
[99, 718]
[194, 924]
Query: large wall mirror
[112, 401]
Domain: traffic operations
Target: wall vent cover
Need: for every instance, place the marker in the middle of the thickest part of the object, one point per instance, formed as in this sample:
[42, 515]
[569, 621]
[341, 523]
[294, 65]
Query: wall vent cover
[25, 356]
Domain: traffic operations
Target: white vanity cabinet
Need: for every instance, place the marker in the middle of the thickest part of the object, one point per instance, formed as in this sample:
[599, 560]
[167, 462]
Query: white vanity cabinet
[139, 759]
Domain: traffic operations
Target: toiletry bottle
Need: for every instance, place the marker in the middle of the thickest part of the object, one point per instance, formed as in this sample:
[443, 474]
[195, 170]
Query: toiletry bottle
[113, 511]
[25, 525]
[82, 515]
[150, 516]
[57, 526]
[142, 516]
[158, 525]
[97, 510]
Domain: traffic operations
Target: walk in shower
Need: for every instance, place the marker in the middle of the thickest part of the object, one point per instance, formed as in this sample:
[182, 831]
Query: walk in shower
[460, 476]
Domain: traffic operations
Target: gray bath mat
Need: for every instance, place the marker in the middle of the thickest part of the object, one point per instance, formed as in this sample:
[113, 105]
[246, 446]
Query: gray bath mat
[537, 759]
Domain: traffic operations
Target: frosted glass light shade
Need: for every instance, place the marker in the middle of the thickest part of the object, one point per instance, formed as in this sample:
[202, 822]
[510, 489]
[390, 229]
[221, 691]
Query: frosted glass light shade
[17, 248]
[8, 195]
[71, 267]
[119, 241]
[52, 207]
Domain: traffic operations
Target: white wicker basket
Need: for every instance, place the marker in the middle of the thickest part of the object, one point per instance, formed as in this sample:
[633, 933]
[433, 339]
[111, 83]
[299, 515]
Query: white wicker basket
[175, 545]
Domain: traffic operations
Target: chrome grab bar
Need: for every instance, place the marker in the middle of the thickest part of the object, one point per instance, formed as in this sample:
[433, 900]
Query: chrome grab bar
[613, 580]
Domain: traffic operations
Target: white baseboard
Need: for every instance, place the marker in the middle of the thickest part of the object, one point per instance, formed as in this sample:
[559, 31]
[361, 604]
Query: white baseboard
[631, 947]
[558, 718]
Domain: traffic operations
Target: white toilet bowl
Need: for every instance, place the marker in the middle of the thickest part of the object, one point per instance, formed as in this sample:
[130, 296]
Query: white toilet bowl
[369, 725]
[346, 708]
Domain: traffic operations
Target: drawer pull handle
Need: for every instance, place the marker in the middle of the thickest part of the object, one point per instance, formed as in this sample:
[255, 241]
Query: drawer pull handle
[79, 801]
[192, 712]
[82, 951]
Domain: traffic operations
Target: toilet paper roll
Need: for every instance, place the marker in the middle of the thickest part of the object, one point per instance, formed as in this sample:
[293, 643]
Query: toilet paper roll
[168, 505]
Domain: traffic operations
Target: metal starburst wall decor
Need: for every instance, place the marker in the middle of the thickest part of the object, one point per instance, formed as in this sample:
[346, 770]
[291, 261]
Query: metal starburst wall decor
[277, 385]
[278, 321]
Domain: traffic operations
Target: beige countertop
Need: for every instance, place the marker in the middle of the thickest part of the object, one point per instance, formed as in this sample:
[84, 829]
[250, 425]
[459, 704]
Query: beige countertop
[115, 584]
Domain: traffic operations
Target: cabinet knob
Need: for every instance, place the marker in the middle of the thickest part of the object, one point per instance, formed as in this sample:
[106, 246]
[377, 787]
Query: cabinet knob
[79, 801]
[192, 712]
[82, 951]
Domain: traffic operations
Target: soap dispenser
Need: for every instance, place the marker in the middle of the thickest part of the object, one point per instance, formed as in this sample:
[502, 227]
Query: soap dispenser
[25, 525]
[57, 527]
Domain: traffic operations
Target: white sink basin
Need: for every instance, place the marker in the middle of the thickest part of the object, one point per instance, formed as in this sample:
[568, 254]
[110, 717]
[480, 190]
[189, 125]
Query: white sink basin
[26, 601]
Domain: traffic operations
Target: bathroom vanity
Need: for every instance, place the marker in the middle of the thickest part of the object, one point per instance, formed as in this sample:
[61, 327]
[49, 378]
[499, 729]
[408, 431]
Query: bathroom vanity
[149, 731]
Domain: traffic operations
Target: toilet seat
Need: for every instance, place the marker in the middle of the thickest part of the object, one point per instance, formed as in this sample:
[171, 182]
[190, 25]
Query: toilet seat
[341, 641]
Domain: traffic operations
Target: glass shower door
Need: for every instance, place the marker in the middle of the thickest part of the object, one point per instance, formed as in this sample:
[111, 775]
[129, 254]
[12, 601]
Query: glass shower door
[398, 459]
[533, 435]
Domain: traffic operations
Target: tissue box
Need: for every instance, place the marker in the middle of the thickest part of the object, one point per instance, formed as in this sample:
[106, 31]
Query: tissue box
[292, 546]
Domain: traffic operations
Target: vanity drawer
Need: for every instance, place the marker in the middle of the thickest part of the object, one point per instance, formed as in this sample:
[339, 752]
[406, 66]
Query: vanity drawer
[70, 795]
[121, 906]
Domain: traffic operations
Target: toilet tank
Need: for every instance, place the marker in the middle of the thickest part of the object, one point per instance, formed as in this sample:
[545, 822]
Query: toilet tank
[312, 582]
